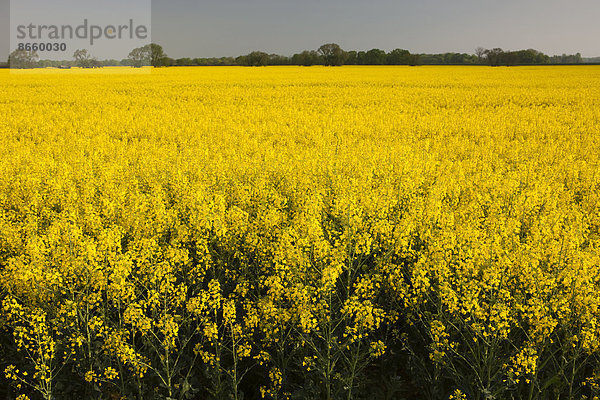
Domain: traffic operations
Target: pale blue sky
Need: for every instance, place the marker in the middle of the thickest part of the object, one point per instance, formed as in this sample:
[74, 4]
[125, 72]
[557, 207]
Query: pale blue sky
[210, 28]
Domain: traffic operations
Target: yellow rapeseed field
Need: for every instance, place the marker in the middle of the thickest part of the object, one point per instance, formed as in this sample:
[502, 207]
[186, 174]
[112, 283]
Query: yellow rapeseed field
[308, 233]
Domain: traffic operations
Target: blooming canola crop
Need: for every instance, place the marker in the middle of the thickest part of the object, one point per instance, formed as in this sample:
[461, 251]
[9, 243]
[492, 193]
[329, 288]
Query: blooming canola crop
[282, 232]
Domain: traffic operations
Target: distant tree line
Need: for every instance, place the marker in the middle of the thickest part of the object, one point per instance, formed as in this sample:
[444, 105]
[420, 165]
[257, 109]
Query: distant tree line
[333, 55]
[329, 54]
[498, 57]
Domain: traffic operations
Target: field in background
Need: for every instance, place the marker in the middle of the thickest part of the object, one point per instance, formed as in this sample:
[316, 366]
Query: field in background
[354, 232]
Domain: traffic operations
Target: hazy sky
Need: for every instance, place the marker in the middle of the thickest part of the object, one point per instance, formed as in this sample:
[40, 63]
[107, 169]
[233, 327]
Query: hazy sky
[210, 28]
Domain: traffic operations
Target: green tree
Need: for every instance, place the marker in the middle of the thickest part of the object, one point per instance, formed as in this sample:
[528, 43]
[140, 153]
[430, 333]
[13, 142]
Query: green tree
[361, 57]
[494, 56]
[306, 58]
[150, 54]
[23, 59]
[352, 58]
[375, 57]
[254, 59]
[399, 57]
[158, 58]
[182, 62]
[414, 60]
[332, 54]
[140, 56]
[480, 53]
[276, 59]
[84, 59]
